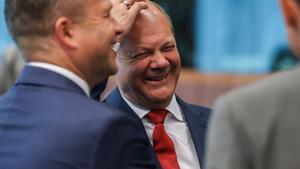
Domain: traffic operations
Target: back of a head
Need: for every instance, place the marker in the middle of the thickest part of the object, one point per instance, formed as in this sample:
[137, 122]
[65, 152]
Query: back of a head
[30, 20]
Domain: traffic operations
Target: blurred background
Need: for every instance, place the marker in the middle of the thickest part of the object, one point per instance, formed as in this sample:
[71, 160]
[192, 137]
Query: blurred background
[4, 36]
[223, 44]
[229, 36]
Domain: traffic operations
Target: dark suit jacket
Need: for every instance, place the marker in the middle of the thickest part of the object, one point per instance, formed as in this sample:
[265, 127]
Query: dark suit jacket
[47, 122]
[196, 117]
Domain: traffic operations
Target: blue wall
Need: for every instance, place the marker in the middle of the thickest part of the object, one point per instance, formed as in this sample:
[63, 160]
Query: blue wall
[4, 37]
[239, 36]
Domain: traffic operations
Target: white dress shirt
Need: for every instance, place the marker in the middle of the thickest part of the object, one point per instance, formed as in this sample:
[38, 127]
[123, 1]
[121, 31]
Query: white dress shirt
[176, 127]
[64, 72]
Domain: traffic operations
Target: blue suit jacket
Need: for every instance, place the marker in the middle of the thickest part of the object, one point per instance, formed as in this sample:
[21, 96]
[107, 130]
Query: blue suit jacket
[196, 117]
[47, 122]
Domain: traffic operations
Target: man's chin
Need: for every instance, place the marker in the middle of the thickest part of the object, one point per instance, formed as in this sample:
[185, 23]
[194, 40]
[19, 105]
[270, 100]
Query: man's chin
[160, 93]
[160, 101]
[114, 70]
[112, 62]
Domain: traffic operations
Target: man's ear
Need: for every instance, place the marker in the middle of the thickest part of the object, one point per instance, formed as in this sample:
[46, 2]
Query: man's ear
[291, 13]
[65, 32]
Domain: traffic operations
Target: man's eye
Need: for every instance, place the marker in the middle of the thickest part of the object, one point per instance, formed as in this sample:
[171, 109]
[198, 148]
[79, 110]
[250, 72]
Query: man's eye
[141, 55]
[168, 48]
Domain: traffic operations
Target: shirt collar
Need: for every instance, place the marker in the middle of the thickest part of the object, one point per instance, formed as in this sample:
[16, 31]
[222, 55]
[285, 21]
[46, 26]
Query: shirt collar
[64, 72]
[173, 108]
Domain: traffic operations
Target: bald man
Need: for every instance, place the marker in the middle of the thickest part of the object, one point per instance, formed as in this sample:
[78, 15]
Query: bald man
[148, 69]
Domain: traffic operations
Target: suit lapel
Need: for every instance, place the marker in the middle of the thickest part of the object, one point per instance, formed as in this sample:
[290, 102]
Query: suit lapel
[196, 122]
[196, 119]
[115, 101]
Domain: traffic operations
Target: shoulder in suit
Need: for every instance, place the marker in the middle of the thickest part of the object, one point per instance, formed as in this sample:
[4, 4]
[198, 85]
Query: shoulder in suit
[47, 122]
[196, 116]
[257, 121]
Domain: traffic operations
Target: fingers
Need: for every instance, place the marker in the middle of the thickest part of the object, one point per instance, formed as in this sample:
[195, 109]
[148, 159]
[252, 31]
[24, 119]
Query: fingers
[115, 2]
[132, 13]
[125, 15]
[121, 2]
[131, 2]
[137, 7]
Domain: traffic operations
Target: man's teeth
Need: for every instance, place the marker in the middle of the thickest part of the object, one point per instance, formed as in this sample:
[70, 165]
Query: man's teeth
[158, 78]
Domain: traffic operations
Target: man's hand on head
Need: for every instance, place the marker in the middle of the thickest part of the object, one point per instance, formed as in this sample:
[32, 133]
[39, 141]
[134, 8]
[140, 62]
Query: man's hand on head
[125, 13]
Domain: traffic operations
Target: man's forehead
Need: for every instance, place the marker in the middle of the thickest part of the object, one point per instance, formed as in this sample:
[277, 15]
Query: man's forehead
[150, 43]
[157, 38]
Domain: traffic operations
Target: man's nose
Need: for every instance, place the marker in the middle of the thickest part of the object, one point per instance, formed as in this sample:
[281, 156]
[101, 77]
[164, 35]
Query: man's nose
[159, 60]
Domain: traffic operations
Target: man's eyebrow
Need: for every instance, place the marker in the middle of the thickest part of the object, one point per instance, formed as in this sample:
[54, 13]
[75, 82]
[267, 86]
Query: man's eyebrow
[141, 47]
[169, 42]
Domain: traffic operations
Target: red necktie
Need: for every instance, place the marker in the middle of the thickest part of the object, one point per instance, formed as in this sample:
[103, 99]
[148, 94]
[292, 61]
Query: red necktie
[162, 143]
